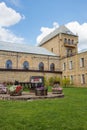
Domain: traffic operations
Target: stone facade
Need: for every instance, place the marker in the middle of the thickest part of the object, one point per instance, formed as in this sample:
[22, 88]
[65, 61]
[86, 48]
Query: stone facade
[17, 72]
[77, 71]
[33, 60]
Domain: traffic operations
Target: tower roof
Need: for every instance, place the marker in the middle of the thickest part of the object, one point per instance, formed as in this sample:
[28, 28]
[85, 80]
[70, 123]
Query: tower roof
[62, 29]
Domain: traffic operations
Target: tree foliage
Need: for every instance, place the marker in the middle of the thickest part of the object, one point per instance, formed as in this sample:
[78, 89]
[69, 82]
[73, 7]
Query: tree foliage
[50, 81]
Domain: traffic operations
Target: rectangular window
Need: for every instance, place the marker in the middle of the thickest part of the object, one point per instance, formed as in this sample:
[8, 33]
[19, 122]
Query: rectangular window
[70, 65]
[65, 40]
[82, 79]
[51, 49]
[71, 79]
[64, 66]
[82, 62]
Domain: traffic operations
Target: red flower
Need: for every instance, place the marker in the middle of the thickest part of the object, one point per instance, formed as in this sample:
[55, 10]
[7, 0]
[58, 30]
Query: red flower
[18, 88]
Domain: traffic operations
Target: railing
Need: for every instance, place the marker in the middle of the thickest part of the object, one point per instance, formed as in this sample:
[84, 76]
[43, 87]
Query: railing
[70, 45]
[69, 55]
[30, 70]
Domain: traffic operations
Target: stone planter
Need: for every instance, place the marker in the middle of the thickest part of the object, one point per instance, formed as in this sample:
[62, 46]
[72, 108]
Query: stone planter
[41, 92]
[57, 90]
[3, 89]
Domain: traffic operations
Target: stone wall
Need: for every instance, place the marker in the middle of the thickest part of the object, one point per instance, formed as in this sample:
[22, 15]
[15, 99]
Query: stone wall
[24, 75]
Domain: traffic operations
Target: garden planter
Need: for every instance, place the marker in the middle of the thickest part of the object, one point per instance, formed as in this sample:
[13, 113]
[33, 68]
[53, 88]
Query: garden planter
[57, 90]
[32, 90]
[3, 89]
[41, 91]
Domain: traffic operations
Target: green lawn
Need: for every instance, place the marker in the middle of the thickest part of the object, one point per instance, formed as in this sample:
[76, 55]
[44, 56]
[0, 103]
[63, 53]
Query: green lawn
[68, 113]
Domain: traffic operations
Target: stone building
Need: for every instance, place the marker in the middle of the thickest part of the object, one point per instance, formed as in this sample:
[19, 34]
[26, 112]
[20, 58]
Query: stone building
[64, 44]
[20, 62]
[56, 55]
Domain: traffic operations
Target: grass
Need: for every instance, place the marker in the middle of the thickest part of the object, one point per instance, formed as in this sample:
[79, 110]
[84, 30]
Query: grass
[68, 113]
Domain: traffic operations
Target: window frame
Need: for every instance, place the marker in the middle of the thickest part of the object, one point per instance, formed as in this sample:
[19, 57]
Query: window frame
[71, 65]
[83, 79]
[41, 66]
[8, 64]
[52, 67]
[81, 62]
[71, 79]
[26, 65]
[64, 66]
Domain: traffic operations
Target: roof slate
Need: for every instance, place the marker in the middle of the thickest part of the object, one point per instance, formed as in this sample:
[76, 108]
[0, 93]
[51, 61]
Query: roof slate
[25, 48]
[83, 50]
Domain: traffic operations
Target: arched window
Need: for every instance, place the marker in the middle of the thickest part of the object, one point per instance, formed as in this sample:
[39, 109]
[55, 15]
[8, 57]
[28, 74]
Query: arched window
[65, 40]
[68, 41]
[8, 64]
[52, 67]
[25, 65]
[41, 66]
[72, 41]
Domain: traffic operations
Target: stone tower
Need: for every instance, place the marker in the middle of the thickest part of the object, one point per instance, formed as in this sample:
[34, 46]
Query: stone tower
[61, 41]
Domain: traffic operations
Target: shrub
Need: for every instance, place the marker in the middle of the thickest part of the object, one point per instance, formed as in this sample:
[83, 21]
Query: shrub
[66, 82]
[53, 79]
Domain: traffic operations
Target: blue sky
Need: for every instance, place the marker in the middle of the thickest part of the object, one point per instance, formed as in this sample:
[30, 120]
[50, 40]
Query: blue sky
[29, 21]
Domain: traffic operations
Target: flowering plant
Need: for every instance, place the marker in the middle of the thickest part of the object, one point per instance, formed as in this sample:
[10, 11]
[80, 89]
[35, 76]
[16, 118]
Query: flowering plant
[40, 88]
[59, 88]
[3, 89]
[18, 88]
[15, 90]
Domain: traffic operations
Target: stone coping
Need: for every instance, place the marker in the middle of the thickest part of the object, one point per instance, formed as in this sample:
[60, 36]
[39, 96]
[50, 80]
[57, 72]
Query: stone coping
[30, 96]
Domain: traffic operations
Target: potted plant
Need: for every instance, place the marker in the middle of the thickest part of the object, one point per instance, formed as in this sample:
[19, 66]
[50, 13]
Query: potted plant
[56, 89]
[3, 89]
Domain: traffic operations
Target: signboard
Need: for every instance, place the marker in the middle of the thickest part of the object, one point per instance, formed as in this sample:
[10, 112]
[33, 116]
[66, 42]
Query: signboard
[37, 79]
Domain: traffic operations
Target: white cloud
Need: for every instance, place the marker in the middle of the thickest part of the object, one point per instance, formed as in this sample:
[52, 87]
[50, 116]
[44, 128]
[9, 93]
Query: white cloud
[8, 17]
[75, 27]
[45, 31]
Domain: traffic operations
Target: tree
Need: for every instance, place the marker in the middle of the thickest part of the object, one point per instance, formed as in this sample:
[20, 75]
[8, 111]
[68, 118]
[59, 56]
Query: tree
[46, 82]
